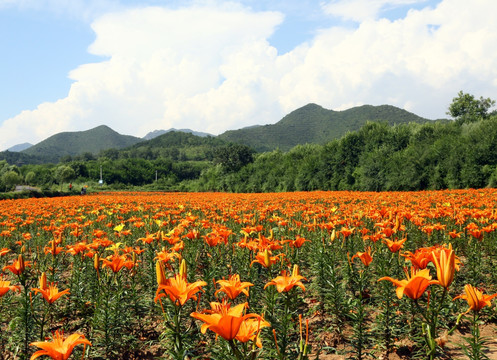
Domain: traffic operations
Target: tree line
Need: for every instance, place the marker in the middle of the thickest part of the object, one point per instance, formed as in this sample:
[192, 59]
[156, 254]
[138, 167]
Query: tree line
[441, 155]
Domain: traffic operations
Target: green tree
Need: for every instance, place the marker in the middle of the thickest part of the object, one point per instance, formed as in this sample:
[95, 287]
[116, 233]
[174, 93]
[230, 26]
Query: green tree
[30, 178]
[465, 108]
[233, 157]
[10, 178]
[64, 173]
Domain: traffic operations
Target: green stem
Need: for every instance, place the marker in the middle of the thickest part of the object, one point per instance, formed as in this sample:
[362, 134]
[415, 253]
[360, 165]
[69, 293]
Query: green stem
[42, 325]
[26, 304]
[284, 340]
[236, 352]
[177, 325]
[477, 343]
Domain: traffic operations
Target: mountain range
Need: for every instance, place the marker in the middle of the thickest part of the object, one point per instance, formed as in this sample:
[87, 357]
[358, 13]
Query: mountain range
[308, 124]
[155, 133]
[314, 124]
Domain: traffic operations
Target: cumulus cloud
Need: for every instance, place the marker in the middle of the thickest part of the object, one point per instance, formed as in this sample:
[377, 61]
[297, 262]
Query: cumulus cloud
[360, 10]
[418, 62]
[211, 68]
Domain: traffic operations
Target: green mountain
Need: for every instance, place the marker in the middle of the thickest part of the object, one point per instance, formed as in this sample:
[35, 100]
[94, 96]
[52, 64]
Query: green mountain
[92, 141]
[156, 133]
[17, 158]
[309, 124]
[175, 145]
[314, 124]
[20, 147]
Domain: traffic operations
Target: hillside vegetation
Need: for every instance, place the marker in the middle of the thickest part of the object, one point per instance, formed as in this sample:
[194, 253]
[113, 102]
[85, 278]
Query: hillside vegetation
[174, 145]
[379, 156]
[312, 124]
[91, 141]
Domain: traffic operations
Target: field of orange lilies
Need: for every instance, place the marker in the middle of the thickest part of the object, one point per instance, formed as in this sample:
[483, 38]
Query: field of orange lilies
[314, 275]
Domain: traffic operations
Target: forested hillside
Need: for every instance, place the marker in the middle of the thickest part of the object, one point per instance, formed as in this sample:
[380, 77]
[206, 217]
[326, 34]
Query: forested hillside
[407, 156]
[377, 157]
[91, 141]
[312, 124]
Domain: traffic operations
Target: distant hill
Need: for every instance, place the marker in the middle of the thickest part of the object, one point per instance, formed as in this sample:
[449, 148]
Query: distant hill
[19, 158]
[20, 147]
[308, 124]
[175, 145]
[314, 124]
[92, 141]
[156, 133]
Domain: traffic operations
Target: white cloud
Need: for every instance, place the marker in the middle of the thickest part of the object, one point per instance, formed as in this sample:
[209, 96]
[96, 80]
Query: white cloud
[419, 62]
[211, 68]
[165, 68]
[361, 10]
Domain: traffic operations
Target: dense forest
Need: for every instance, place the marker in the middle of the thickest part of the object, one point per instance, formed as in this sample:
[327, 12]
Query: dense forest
[436, 155]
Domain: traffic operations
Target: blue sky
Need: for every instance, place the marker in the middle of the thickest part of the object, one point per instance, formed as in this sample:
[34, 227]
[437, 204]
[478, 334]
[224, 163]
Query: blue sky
[215, 65]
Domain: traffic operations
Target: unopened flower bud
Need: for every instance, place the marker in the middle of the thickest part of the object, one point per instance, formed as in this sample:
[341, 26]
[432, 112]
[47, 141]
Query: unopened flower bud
[43, 281]
[161, 275]
[182, 268]
[22, 266]
[96, 261]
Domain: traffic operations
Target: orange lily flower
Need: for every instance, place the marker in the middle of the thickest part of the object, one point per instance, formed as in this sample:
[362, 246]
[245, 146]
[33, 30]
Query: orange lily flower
[394, 245]
[223, 319]
[166, 256]
[265, 259]
[4, 251]
[77, 248]
[446, 267]
[420, 258]
[179, 290]
[365, 257]
[53, 248]
[59, 348]
[285, 282]
[148, 239]
[250, 329]
[475, 298]
[18, 266]
[117, 262]
[5, 287]
[346, 232]
[415, 284]
[233, 287]
[298, 242]
[51, 293]
[477, 234]
[454, 234]
[437, 250]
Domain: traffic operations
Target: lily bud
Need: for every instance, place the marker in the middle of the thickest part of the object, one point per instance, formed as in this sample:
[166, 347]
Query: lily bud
[333, 235]
[96, 261]
[161, 275]
[295, 270]
[22, 266]
[43, 281]
[182, 268]
[267, 260]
